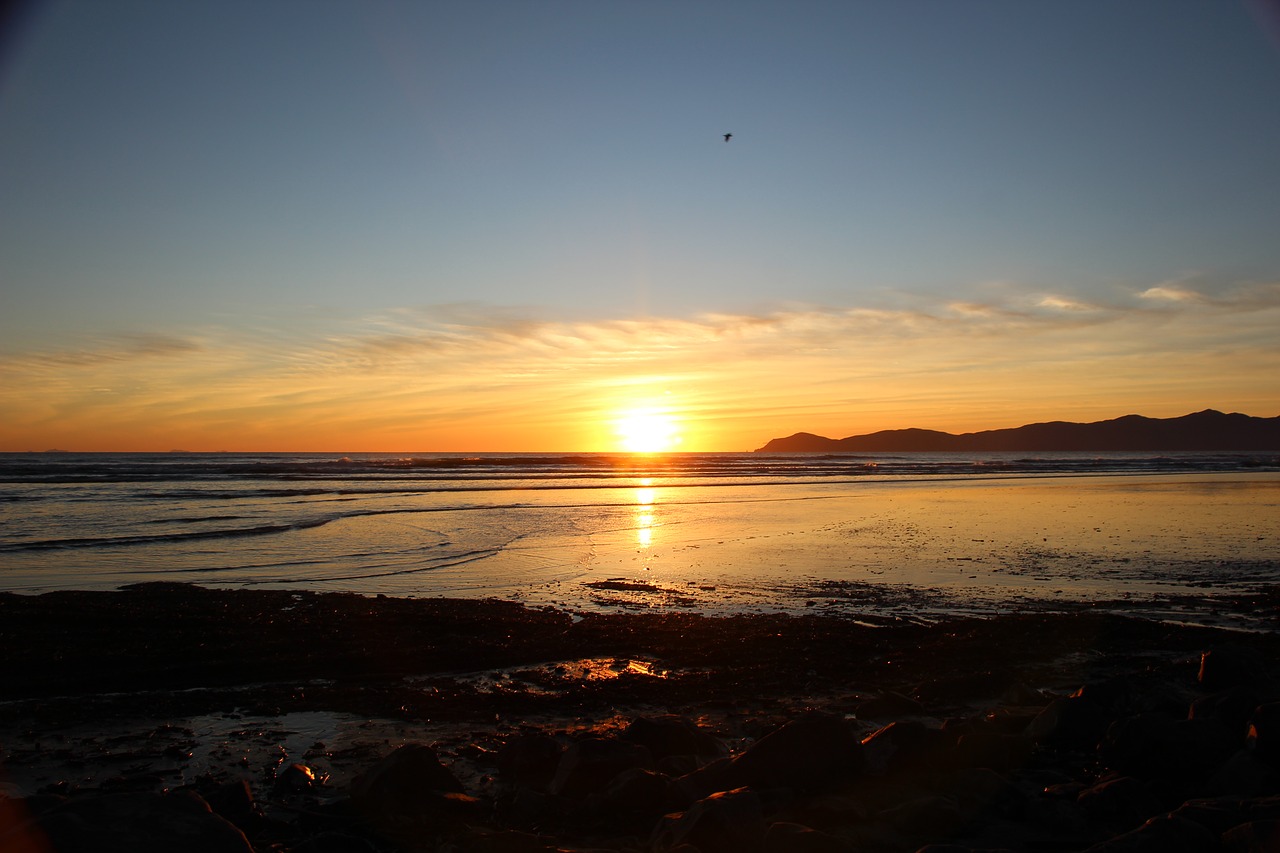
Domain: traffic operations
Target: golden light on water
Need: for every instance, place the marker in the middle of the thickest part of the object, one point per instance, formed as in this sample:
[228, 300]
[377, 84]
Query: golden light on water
[645, 498]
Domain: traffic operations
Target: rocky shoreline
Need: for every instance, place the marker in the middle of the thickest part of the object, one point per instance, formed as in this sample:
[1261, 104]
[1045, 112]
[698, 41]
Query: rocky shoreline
[167, 716]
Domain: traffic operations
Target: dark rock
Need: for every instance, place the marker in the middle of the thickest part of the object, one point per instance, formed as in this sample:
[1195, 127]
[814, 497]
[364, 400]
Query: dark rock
[926, 817]
[405, 775]
[670, 735]
[640, 792]
[960, 848]
[981, 792]
[294, 779]
[1244, 775]
[1229, 665]
[987, 748]
[529, 808]
[1263, 734]
[1151, 746]
[1070, 721]
[588, 765]
[409, 792]
[809, 752]
[1164, 834]
[904, 746]
[1218, 814]
[1259, 836]
[889, 704]
[334, 842]
[1109, 694]
[1121, 804]
[1232, 707]
[964, 688]
[782, 837]
[140, 822]
[530, 760]
[234, 801]
[485, 840]
[725, 822]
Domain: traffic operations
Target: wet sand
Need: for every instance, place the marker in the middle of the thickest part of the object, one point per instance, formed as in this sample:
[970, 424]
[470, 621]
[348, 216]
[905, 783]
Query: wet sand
[165, 686]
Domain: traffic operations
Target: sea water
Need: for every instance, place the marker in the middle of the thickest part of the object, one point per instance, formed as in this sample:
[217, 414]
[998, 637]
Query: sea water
[868, 533]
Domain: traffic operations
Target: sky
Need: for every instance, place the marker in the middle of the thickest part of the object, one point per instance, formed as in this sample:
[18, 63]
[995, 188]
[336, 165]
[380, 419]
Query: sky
[516, 224]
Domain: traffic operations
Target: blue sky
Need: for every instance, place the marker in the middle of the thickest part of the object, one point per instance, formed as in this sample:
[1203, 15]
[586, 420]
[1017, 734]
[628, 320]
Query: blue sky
[293, 182]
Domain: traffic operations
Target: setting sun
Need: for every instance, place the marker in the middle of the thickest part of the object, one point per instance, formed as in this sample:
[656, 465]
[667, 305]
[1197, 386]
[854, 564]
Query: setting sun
[647, 431]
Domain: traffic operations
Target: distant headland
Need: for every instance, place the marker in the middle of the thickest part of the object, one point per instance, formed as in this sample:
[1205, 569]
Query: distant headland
[1207, 430]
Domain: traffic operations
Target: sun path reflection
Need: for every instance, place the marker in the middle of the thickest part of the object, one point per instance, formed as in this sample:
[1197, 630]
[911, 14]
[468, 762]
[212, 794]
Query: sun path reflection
[646, 497]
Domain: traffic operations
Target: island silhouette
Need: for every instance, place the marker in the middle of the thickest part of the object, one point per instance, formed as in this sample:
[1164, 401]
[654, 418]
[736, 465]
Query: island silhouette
[1206, 430]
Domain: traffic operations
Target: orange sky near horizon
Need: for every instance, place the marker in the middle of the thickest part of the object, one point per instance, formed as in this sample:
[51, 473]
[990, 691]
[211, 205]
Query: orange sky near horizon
[425, 381]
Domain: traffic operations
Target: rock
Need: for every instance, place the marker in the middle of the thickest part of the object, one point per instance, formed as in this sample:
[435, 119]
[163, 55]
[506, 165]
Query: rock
[334, 842]
[1229, 665]
[1263, 735]
[294, 779]
[1152, 746]
[670, 735]
[234, 801]
[905, 746]
[410, 792]
[986, 748]
[140, 822]
[930, 816]
[1259, 836]
[530, 760]
[889, 704]
[588, 765]
[1164, 834]
[725, 822]
[981, 792]
[639, 792]
[1219, 814]
[1076, 722]
[1232, 707]
[809, 752]
[1121, 804]
[1244, 775]
[782, 837]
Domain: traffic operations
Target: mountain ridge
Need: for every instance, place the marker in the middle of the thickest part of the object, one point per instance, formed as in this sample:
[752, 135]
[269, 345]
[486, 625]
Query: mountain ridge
[1205, 430]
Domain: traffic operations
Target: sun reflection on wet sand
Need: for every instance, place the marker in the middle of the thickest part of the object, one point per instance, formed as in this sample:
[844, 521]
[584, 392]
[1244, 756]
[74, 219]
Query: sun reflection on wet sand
[646, 497]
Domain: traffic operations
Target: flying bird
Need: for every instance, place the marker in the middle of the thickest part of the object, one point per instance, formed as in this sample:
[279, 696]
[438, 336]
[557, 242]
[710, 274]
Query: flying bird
[728, 136]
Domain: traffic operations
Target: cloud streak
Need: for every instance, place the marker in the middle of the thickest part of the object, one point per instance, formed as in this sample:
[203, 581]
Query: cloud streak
[471, 377]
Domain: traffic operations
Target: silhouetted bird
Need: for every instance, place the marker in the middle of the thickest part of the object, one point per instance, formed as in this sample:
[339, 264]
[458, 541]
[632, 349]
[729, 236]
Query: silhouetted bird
[728, 136]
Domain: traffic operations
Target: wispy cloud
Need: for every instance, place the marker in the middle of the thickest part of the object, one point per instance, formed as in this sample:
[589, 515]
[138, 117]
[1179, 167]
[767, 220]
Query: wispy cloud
[469, 376]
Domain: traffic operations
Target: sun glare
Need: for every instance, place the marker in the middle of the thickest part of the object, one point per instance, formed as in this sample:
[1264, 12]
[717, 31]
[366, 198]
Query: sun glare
[648, 431]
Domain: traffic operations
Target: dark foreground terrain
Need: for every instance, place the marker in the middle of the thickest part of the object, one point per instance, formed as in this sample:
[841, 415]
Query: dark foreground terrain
[173, 718]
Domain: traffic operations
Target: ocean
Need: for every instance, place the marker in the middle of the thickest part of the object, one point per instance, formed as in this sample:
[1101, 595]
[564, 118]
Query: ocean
[876, 536]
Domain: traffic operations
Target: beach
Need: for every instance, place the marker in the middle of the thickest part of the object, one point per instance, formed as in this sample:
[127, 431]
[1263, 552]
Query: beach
[277, 707]
[727, 654]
